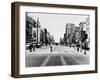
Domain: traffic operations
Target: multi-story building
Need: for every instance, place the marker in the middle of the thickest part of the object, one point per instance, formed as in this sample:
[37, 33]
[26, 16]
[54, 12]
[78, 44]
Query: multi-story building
[30, 24]
[35, 34]
[69, 30]
[33, 29]
[38, 30]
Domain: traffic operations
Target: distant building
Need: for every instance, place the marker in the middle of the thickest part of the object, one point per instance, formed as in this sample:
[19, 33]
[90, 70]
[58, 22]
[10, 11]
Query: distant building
[41, 36]
[69, 30]
[61, 41]
[45, 36]
[38, 31]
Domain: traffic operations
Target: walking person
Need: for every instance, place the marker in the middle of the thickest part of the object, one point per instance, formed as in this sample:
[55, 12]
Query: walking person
[30, 47]
[78, 46]
[74, 46]
[51, 48]
[33, 47]
[85, 45]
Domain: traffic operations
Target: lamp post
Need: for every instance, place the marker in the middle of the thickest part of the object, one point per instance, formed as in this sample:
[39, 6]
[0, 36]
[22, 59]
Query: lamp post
[81, 25]
[82, 34]
[37, 29]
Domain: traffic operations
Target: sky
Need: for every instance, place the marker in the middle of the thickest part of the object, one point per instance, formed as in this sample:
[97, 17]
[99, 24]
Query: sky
[55, 23]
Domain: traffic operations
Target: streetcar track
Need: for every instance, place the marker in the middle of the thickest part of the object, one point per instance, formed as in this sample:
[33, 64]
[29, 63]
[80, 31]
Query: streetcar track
[70, 55]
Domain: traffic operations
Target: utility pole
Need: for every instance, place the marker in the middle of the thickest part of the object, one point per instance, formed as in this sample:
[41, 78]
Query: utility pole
[37, 28]
[81, 25]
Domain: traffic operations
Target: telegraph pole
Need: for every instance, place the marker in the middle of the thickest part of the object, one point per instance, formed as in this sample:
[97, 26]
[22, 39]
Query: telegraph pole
[37, 28]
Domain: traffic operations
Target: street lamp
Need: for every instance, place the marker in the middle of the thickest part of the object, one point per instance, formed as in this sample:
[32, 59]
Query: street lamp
[81, 26]
[37, 28]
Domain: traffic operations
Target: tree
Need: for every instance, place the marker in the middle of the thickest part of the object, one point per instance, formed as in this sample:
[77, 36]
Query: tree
[84, 36]
[74, 38]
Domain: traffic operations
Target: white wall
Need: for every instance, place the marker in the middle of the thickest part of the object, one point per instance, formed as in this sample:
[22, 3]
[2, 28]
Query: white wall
[5, 40]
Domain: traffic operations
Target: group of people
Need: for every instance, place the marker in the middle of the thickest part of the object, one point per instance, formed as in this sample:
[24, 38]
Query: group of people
[32, 46]
[79, 47]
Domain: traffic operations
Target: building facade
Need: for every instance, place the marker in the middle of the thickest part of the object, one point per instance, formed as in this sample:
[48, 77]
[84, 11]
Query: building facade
[69, 31]
[35, 34]
[32, 30]
[30, 24]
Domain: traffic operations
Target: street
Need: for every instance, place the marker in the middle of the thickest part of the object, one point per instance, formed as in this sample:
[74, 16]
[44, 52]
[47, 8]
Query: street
[61, 55]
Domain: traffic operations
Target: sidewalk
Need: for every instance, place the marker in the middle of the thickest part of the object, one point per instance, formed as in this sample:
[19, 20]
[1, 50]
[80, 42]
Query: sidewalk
[42, 50]
[74, 51]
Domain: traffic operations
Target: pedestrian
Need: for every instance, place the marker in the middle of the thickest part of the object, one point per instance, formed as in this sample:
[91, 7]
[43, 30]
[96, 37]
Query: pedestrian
[74, 46]
[85, 45]
[78, 46]
[51, 48]
[30, 47]
[33, 47]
